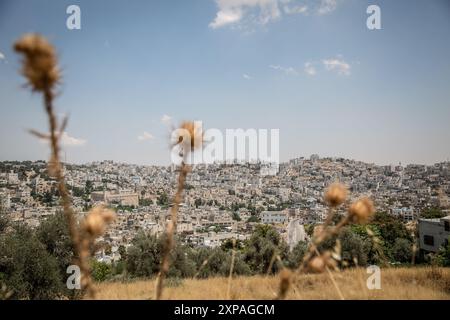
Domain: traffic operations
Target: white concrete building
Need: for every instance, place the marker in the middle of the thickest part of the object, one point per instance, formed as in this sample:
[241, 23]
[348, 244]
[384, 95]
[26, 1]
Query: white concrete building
[434, 233]
[274, 217]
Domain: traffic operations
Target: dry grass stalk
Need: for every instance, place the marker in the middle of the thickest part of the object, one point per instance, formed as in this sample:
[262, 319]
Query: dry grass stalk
[285, 283]
[230, 277]
[170, 231]
[272, 261]
[189, 138]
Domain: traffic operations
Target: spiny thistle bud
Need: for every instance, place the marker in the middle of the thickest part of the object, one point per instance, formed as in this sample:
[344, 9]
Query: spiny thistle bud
[335, 194]
[97, 219]
[317, 265]
[40, 62]
[361, 210]
[190, 132]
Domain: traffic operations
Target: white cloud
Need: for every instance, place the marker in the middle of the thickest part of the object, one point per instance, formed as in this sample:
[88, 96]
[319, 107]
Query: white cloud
[327, 6]
[68, 140]
[234, 11]
[2, 56]
[166, 119]
[246, 76]
[294, 9]
[338, 65]
[310, 69]
[145, 136]
[289, 71]
[246, 12]
[225, 17]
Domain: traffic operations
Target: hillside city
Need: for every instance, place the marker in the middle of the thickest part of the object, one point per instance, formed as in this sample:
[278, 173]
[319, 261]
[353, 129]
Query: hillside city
[222, 201]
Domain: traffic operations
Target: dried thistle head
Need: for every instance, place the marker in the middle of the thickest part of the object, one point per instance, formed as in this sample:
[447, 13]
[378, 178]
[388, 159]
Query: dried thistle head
[336, 194]
[191, 134]
[361, 210]
[97, 219]
[317, 264]
[39, 65]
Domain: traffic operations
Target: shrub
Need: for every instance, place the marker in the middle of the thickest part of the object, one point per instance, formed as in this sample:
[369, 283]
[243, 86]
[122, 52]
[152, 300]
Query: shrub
[101, 271]
[295, 257]
[444, 254]
[218, 262]
[352, 247]
[402, 250]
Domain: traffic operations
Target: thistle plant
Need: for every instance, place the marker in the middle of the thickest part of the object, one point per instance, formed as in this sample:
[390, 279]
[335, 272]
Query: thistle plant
[188, 138]
[40, 68]
[314, 261]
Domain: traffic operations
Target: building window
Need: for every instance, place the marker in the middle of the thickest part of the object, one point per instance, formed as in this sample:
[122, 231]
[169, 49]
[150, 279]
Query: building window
[428, 240]
[447, 225]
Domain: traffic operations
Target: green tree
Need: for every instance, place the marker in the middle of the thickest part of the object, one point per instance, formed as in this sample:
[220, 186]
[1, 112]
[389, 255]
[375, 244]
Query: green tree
[53, 233]
[373, 243]
[402, 250]
[390, 229]
[88, 187]
[163, 199]
[4, 221]
[432, 213]
[27, 268]
[253, 218]
[198, 202]
[123, 252]
[145, 202]
[143, 257]
[228, 245]
[264, 244]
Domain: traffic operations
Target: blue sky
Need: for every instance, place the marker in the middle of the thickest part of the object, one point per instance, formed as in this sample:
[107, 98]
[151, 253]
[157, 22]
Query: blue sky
[309, 68]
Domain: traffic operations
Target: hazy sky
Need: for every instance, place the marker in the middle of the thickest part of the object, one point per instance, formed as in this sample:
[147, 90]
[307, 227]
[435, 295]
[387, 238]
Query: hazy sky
[309, 68]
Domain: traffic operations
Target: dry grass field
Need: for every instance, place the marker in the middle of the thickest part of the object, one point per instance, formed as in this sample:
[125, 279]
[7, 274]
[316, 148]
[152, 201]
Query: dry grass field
[396, 283]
